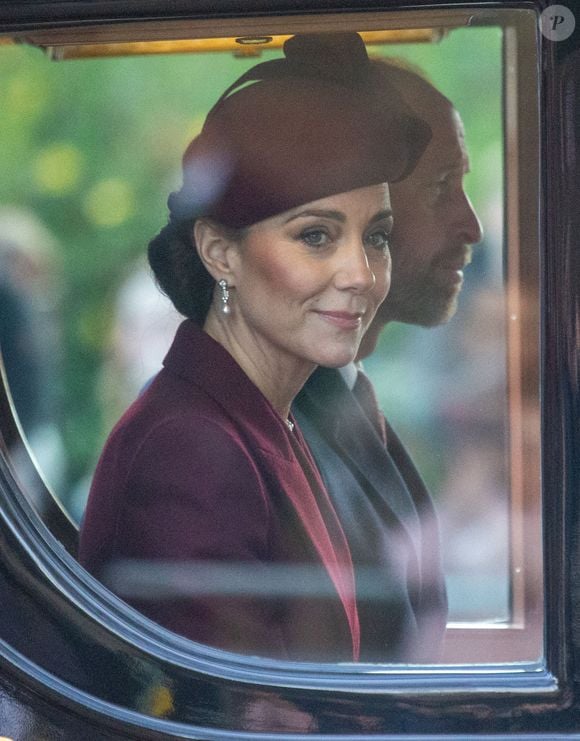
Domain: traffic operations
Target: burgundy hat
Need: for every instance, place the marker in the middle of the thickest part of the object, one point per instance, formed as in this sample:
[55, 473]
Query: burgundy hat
[301, 128]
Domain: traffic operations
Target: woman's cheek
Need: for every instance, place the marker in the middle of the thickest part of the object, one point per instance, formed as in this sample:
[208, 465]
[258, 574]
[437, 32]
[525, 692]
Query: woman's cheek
[383, 281]
[279, 271]
[387, 285]
[292, 278]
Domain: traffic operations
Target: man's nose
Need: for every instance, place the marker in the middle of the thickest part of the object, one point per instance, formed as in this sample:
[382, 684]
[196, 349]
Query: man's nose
[469, 222]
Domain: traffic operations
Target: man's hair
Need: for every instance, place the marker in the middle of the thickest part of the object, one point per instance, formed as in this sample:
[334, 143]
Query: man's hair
[402, 74]
[398, 65]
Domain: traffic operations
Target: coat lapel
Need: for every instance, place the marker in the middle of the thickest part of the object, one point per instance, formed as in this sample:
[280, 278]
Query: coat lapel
[197, 358]
[332, 407]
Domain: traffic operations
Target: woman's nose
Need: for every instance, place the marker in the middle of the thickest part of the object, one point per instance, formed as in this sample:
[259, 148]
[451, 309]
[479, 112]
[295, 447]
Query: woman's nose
[353, 271]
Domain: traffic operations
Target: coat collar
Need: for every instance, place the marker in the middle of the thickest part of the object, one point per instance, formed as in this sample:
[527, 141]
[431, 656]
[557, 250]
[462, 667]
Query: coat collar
[327, 400]
[198, 359]
[201, 361]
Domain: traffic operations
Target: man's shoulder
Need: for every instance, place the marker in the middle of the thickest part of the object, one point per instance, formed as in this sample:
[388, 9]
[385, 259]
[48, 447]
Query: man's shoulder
[324, 384]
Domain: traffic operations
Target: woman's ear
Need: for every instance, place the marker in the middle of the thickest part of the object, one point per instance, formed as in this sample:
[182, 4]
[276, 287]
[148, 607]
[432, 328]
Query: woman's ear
[216, 250]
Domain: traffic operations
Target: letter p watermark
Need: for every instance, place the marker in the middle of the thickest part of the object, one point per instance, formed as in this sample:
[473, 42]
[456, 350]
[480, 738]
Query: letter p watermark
[557, 22]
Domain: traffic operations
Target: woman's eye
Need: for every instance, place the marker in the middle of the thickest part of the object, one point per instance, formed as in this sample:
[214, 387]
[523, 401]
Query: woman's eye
[315, 237]
[379, 239]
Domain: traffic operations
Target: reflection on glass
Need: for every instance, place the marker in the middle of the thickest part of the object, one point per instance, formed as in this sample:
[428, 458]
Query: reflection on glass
[447, 369]
[277, 253]
[30, 341]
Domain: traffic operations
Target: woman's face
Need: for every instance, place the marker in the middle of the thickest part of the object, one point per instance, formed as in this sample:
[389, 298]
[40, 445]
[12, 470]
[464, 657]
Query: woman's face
[308, 282]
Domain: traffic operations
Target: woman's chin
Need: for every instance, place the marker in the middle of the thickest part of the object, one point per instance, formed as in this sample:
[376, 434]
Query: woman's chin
[337, 359]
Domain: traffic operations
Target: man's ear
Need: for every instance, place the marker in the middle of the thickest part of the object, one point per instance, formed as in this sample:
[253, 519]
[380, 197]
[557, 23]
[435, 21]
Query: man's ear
[216, 250]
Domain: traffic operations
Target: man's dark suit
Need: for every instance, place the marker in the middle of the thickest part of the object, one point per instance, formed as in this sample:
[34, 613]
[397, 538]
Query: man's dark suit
[389, 520]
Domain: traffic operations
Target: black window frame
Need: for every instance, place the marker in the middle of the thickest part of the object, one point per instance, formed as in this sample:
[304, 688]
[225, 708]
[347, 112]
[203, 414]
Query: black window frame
[72, 653]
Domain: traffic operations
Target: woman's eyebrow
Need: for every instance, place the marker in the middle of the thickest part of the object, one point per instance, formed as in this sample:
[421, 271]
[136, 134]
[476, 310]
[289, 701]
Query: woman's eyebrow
[336, 215]
[319, 212]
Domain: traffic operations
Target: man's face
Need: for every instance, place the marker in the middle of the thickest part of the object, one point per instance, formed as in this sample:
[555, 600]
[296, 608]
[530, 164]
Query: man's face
[434, 226]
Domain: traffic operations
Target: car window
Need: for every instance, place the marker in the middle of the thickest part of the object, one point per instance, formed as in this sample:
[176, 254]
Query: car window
[92, 138]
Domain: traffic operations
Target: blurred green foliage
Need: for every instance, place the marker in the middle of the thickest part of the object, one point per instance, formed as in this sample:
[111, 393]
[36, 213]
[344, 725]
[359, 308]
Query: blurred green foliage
[93, 148]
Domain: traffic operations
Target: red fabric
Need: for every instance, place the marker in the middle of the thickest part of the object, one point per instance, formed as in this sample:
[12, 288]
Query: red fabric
[202, 470]
[323, 526]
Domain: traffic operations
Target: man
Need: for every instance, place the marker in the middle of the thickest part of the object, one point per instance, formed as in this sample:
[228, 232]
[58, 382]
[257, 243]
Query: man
[435, 223]
[386, 512]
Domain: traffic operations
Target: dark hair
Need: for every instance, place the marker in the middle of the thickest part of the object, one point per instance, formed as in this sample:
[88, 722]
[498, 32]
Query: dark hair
[179, 271]
[271, 145]
[410, 80]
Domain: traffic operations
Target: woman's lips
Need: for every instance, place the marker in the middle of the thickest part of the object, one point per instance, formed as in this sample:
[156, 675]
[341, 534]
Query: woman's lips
[342, 319]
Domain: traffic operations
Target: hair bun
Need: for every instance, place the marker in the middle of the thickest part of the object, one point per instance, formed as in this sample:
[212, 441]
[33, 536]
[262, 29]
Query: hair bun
[340, 57]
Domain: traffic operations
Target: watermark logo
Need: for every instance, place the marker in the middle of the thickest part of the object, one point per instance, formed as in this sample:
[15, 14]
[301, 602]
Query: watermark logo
[557, 22]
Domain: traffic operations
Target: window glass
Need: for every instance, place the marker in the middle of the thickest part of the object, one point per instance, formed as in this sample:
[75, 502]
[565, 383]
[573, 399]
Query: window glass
[90, 150]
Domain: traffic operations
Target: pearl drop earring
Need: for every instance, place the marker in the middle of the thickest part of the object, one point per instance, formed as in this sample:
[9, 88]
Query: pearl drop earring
[225, 297]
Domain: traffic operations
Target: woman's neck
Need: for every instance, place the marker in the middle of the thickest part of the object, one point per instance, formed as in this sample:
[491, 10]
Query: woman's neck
[277, 374]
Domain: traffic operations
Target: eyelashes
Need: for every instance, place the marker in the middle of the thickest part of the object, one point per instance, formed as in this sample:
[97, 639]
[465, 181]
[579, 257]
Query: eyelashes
[379, 239]
[319, 237]
[315, 237]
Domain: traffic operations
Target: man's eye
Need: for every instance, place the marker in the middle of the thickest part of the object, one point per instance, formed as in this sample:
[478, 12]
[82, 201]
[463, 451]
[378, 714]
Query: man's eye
[449, 183]
[315, 237]
[379, 239]
[442, 184]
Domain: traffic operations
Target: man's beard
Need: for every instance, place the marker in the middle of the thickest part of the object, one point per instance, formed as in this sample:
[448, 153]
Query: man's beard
[426, 298]
[421, 302]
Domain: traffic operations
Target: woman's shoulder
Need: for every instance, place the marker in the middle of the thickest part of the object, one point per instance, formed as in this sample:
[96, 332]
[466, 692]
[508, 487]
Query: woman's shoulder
[175, 452]
[171, 463]
[170, 403]
[168, 433]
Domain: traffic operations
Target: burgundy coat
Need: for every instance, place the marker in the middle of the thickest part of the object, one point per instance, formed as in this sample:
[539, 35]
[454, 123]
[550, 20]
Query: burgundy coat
[208, 515]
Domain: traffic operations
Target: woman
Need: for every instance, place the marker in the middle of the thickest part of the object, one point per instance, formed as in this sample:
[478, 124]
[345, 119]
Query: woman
[276, 251]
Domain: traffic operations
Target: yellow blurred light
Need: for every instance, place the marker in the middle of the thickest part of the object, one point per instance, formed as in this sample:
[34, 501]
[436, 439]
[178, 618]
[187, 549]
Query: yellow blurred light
[161, 702]
[24, 96]
[195, 126]
[57, 168]
[248, 46]
[109, 203]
